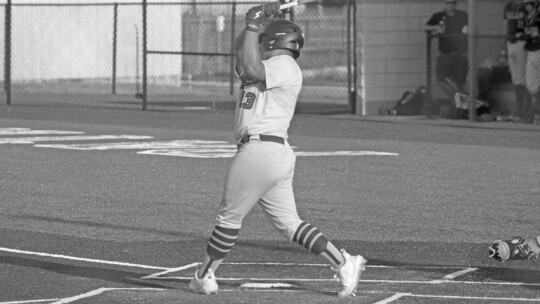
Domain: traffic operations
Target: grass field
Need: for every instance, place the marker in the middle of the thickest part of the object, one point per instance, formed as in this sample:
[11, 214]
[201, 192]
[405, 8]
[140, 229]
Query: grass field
[107, 205]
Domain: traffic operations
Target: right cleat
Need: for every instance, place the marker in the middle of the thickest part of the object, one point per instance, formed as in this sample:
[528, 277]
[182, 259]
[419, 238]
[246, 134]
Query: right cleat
[206, 285]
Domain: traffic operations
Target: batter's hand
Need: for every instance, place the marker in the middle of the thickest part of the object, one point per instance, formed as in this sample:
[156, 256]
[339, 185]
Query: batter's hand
[257, 16]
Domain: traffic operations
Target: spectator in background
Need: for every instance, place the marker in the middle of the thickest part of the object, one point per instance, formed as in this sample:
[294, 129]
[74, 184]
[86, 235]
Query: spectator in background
[514, 13]
[451, 27]
[531, 33]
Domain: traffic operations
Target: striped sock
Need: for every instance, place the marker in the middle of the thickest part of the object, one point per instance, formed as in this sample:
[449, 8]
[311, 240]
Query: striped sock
[313, 240]
[221, 242]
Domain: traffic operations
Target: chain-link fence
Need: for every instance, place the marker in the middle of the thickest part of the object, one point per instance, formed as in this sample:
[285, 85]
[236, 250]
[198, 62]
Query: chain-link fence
[159, 54]
[202, 54]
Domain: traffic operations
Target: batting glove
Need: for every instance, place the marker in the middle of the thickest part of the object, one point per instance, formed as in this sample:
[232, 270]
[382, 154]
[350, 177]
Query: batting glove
[257, 16]
[516, 248]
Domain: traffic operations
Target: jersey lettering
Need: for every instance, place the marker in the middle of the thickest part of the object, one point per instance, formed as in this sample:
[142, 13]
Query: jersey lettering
[248, 99]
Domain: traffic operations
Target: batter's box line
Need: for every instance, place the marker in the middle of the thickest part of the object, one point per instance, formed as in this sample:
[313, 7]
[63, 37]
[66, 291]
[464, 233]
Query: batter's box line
[444, 279]
[159, 275]
[449, 278]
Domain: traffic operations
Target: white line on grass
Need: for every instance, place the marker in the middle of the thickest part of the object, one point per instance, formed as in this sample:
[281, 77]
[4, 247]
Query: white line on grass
[66, 257]
[100, 291]
[327, 265]
[477, 298]
[31, 140]
[156, 275]
[361, 281]
[454, 275]
[30, 301]
[266, 285]
[396, 296]
[38, 132]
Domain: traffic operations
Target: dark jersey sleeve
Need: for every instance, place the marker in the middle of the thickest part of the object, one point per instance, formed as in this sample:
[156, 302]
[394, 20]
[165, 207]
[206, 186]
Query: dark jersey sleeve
[435, 19]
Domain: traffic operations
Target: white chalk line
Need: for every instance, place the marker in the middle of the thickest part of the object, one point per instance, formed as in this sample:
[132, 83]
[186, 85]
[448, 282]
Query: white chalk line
[454, 275]
[100, 291]
[448, 279]
[182, 148]
[7, 132]
[328, 265]
[267, 285]
[177, 269]
[30, 301]
[182, 278]
[32, 140]
[396, 296]
[67, 257]
[166, 270]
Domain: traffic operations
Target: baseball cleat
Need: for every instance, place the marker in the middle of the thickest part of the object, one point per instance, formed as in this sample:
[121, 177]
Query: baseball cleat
[350, 273]
[206, 285]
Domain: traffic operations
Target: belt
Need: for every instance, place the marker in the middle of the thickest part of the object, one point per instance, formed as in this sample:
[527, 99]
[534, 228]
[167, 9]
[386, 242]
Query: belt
[262, 137]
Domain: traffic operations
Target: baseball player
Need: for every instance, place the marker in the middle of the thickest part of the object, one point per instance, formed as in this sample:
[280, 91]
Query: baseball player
[515, 248]
[531, 33]
[262, 170]
[513, 15]
[451, 26]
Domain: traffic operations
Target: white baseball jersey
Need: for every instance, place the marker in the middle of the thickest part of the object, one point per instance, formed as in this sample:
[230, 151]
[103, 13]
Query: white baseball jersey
[267, 108]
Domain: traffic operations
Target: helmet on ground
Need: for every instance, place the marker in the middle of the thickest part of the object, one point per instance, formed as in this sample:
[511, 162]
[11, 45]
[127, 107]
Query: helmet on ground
[283, 34]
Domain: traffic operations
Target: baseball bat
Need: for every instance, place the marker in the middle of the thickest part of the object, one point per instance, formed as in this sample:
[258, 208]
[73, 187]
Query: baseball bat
[295, 3]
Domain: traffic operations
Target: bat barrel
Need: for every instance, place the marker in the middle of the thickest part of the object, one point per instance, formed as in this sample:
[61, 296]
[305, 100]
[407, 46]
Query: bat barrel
[295, 3]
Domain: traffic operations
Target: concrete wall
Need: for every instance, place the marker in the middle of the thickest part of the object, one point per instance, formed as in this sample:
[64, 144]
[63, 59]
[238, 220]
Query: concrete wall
[393, 45]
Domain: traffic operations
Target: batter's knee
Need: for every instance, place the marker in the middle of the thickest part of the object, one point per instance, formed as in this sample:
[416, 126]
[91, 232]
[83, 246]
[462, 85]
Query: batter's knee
[287, 227]
[229, 221]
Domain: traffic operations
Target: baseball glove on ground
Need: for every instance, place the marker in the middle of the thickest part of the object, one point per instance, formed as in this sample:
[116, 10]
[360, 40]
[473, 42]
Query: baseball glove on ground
[516, 248]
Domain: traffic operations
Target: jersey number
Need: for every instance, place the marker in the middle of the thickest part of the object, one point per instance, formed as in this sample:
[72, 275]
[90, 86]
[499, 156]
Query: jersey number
[248, 99]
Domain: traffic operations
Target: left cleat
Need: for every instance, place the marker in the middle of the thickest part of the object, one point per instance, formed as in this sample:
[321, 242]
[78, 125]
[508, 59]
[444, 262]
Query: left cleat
[350, 273]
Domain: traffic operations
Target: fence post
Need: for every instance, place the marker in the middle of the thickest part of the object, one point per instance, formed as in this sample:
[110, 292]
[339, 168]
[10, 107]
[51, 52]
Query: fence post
[349, 54]
[473, 83]
[233, 26]
[428, 102]
[145, 54]
[115, 33]
[7, 52]
[355, 64]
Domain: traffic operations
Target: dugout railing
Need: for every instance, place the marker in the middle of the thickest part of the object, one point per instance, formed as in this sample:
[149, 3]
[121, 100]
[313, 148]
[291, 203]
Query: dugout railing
[165, 55]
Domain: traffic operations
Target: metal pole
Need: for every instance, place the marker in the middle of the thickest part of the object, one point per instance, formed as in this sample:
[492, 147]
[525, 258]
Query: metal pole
[349, 56]
[428, 103]
[231, 71]
[473, 83]
[355, 70]
[7, 53]
[145, 54]
[115, 31]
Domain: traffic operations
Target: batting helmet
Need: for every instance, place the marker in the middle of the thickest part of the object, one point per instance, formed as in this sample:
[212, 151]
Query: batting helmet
[283, 34]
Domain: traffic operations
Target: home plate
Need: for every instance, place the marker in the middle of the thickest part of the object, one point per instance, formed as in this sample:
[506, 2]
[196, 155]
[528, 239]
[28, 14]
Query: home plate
[267, 285]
